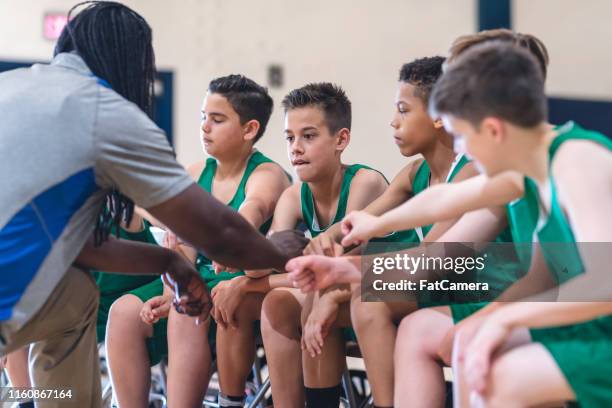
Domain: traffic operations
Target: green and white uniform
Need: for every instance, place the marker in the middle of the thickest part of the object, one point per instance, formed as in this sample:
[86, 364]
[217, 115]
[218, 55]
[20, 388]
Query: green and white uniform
[204, 264]
[157, 345]
[582, 351]
[500, 269]
[522, 217]
[112, 286]
[422, 179]
[310, 217]
[313, 226]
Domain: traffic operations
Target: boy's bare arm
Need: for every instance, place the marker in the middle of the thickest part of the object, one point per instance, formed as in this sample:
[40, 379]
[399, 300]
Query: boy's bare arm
[262, 193]
[286, 216]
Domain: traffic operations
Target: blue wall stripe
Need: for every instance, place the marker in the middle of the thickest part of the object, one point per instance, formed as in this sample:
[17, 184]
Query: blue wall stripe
[494, 14]
[593, 115]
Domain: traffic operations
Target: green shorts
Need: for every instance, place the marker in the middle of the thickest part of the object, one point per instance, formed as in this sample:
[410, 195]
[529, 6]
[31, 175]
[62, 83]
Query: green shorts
[583, 352]
[157, 345]
[461, 311]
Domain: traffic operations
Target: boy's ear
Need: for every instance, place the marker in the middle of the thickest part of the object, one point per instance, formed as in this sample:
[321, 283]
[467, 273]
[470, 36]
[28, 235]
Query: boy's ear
[438, 124]
[250, 129]
[494, 128]
[344, 137]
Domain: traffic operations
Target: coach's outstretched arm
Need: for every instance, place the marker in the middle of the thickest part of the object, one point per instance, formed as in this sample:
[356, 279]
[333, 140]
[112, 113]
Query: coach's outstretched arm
[224, 235]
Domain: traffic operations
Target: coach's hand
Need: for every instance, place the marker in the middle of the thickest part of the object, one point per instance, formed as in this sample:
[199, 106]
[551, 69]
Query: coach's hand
[290, 243]
[191, 293]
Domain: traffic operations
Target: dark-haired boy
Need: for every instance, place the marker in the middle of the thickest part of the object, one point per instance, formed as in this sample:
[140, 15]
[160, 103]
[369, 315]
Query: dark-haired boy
[492, 98]
[425, 337]
[235, 113]
[317, 130]
[415, 132]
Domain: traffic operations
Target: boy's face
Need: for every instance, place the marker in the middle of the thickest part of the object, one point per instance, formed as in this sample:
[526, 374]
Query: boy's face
[481, 144]
[312, 149]
[413, 128]
[220, 129]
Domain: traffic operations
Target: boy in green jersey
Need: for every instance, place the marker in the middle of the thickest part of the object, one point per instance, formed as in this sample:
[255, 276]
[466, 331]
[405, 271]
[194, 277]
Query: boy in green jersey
[415, 132]
[429, 343]
[317, 130]
[523, 353]
[235, 113]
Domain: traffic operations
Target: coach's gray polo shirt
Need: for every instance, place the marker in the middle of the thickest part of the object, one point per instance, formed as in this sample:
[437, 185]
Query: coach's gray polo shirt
[65, 141]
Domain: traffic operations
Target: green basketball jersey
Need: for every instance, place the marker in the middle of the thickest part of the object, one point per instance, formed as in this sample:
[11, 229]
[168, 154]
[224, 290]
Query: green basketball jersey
[563, 259]
[307, 201]
[203, 264]
[578, 349]
[114, 284]
[522, 219]
[310, 218]
[421, 182]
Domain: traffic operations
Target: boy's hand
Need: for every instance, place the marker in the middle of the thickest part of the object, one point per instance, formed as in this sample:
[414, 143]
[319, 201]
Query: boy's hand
[323, 244]
[478, 355]
[156, 308]
[226, 297]
[290, 243]
[468, 327]
[315, 272]
[358, 227]
[323, 315]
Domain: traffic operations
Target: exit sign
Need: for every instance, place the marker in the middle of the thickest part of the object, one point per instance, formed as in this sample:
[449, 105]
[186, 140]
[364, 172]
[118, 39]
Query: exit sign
[53, 24]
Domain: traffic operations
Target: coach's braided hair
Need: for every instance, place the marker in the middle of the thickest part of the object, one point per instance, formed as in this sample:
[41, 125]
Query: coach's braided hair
[116, 44]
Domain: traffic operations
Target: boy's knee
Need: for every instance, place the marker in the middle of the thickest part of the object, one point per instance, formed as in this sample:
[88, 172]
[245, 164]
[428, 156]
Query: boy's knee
[249, 309]
[124, 313]
[504, 388]
[413, 329]
[126, 305]
[365, 314]
[417, 323]
[275, 306]
[280, 312]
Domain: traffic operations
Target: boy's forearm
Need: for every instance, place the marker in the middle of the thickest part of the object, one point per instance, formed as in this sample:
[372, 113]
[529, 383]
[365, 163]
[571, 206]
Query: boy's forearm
[253, 212]
[531, 284]
[258, 274]
[266, 283]
[339, 294]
